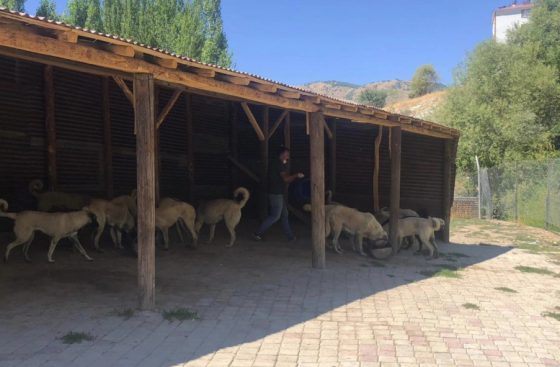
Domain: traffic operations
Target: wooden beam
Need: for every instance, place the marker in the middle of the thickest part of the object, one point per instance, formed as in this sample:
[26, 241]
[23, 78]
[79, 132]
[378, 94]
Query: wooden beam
[447, 193]
[332, 185]
[253, 121]
[138, 55]
[317, 152]
[331, 105]
[327, 130]
[107, 145]
[312, 99]
[157, 146]
[244, 169]
[233, 136]
[366, 111]
[67, 36]
[80, 53]
[167, 108]
[263, 184]
[277, 123]
[237, 80]
[190, 148]
[166, 63]
[287, 138]
[395, 187]
[202, 72]
[129, 95]
[269, 88]
[380, 115]
[376, 170]
[350, 108]
[298, 214]
[50, 125]
[144, 90]
[288, 94]
[307, 123]
[127, 51]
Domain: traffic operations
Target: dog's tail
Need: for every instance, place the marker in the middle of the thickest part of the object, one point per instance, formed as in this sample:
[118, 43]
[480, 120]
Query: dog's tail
[242, 191]
[35, 187]
[329, 196]
[307, 207]
[4, 209]
[435, 223]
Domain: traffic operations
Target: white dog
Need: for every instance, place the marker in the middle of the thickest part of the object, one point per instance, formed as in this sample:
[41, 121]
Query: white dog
[55, 225]
[214, 211]
[172, 213]
[116, 215]
[423, 228]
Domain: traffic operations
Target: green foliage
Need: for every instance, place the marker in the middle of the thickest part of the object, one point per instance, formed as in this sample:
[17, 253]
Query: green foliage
[47, 9]
[94, 20]
[505, 102]
[373, 97]
[17, 5]
[77, 337]
[180, 314]
[529, 269]
[471, 306]
[506, 289]
[77, 12]
[424, 81]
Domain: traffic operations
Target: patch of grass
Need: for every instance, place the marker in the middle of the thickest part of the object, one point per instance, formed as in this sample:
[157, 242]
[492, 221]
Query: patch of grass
[529, 269]
[77, 337]
[180, 314]
[506, 289]
[441, 273]
[457, 254]
[126, 314]
[448, 267]
[471, 306]
[376, 264]
[554, 315]
[390, 276]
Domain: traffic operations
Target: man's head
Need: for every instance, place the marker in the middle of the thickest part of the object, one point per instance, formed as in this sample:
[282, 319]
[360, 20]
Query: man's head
[284, 154]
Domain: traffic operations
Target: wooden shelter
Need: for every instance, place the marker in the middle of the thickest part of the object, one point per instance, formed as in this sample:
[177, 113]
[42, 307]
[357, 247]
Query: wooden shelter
[98, 114]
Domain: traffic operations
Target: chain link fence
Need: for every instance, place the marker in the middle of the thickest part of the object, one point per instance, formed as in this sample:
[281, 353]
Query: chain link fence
[527, 192]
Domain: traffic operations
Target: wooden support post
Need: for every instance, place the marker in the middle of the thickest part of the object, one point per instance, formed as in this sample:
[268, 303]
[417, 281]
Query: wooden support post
[332, 184]
[447, 193]
[157, 145]
[107, 145]
[287, 139]
[50, 126]
[263, 185]
[233, 143]
[317, 150]
[376, 170]
[395, 186]
[190, 149]
[144, 93]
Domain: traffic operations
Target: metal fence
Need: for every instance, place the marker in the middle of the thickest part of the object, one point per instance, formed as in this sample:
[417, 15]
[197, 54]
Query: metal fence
[526, 192]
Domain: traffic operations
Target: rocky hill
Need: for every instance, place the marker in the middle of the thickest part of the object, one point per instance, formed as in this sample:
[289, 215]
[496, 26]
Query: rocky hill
[420, 107]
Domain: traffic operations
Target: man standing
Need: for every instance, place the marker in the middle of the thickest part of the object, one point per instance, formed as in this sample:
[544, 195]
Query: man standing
[277, 180]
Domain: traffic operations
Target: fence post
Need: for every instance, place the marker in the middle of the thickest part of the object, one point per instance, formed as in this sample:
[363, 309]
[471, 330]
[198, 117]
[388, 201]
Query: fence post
[547, 206]
[515, 197]
[479, 188]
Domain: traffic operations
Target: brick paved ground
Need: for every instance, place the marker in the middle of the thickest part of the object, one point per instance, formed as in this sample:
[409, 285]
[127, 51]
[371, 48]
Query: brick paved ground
[262, 305]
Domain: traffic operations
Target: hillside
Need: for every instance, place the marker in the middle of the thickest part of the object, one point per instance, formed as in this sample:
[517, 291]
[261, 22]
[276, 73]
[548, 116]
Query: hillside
[420, 107]
[399, 89]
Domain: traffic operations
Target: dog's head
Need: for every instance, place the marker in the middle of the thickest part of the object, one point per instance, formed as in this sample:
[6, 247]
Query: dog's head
[92, 220]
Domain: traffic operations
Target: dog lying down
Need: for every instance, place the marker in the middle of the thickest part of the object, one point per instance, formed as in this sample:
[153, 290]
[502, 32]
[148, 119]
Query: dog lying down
[421, 227]
[55, 225]
[214, 211]
[340, 218]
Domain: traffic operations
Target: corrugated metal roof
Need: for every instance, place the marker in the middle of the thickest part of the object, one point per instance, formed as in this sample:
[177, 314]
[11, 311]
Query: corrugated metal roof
[217, 68]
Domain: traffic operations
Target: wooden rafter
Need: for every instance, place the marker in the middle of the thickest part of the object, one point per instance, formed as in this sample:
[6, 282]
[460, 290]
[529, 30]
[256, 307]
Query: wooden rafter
[244, 169]
[166, 63]
[167, 108]
[334, 106]
[350, 108]
[277, 123]
[127, 51]
[312, 99]
[67, 36]
[252, 120]
[124, 88]
[202, 72]
[288, 94]
[237, 80]
[269, 88]
[327, 129]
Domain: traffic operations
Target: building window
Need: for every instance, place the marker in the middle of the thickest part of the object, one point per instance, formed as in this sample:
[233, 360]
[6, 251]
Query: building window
[525, 13]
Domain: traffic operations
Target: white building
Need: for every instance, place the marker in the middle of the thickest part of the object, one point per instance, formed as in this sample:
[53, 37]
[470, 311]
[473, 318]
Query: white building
[506, 17]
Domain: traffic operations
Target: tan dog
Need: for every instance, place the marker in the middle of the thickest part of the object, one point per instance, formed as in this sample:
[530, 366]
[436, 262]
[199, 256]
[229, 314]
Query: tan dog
[168, 215]
[214, 211]
[55, 225]
[116, 215]
[423, 228]
[340, 218]
[166, 202]
[130, 202]
[54, 200]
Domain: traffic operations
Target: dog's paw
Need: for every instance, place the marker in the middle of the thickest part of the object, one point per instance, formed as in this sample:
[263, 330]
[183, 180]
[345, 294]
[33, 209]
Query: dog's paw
[229, 245]
[89, 259]
[5, 259]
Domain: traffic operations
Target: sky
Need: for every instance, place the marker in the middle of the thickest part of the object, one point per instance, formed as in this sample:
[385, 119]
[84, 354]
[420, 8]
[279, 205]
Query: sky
[355, 41]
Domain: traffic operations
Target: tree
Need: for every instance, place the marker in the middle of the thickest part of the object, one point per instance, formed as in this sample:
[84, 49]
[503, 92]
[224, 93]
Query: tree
[94, 20]
[505, 102]
[215, 50]
[373, 97]
[424, 81]
[112, 16]
[47, 9]
[17, 5]
[77, 12]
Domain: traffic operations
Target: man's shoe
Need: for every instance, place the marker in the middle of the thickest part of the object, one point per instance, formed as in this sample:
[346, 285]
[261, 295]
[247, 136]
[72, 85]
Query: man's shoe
[257, 237]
